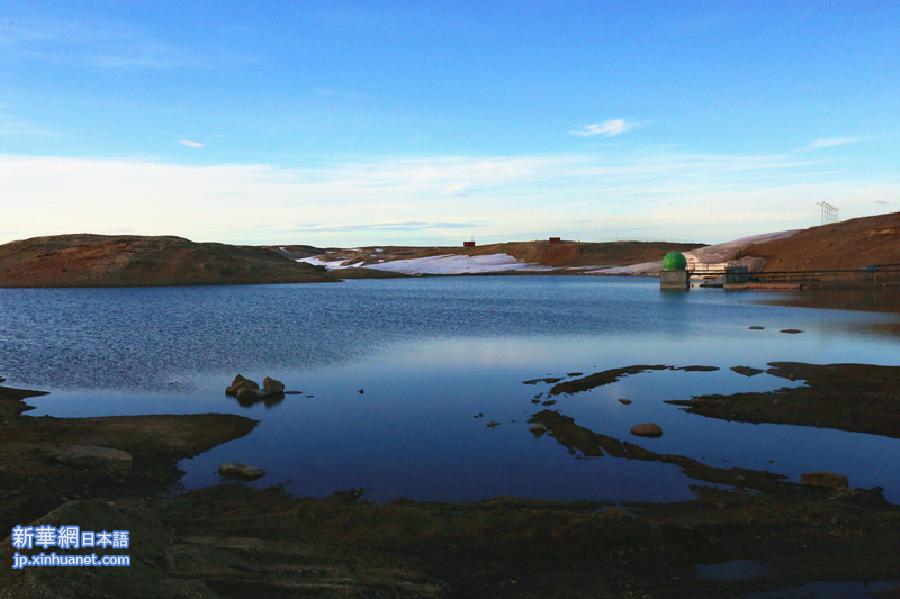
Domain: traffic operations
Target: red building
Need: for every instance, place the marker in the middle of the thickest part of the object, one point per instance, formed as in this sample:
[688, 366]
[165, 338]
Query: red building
[554, 240]
[468, 244]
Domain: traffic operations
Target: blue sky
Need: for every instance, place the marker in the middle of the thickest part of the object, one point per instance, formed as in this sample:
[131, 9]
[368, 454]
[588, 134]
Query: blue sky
[388, 122]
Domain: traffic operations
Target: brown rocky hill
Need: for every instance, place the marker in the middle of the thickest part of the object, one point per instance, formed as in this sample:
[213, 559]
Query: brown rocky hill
[127, 260]
[848, 245]
[570, 253]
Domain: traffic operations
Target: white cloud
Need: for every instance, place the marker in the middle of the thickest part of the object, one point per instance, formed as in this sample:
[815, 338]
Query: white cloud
[710, 197]
[831, 142]
[190, 143]
[610, 128]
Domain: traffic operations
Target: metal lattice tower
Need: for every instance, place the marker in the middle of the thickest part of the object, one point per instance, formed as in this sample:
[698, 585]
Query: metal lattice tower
[828, 212]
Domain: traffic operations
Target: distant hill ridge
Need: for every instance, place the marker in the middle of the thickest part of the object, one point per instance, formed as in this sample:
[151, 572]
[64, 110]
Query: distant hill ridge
[85, 260]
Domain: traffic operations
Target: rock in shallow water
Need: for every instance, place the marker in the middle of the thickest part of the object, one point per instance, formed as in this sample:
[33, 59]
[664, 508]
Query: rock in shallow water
[239, 383]
[272, 385]
[647, 429]
[246, 394]
[240, 471]
[746, 370]
[537, 430]
[625, 402]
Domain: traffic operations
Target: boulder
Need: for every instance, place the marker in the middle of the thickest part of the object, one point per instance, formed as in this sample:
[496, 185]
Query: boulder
[240, 471]
[828, 480]
[248, 394]
[791, 331]
[647, 429]
[273, 386]
[625, 402]
[239, 383]
[94, 457]
[756, 327]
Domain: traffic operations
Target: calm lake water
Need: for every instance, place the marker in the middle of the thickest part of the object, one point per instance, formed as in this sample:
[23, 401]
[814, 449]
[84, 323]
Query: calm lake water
[430, 354]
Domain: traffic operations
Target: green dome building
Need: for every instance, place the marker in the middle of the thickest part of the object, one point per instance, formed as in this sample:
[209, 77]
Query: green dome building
[674, 261]
[674, 276]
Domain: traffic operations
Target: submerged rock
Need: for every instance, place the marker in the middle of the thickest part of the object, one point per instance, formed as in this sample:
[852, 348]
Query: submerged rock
[828, 480]
[273, 386]
[549, 402]
[546, 380]
[240, 471]
[537, 430]
[625, 402]
[492, 424]
[647, 429]
[756, 327]
[93, 456]
[791, 331]
[746, 370]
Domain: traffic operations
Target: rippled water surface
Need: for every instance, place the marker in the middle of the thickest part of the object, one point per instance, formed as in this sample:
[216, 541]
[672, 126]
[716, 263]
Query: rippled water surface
[431, 354]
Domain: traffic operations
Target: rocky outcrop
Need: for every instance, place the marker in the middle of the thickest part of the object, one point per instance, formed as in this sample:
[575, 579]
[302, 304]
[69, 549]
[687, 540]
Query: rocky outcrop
[129, 260]
[248, 393]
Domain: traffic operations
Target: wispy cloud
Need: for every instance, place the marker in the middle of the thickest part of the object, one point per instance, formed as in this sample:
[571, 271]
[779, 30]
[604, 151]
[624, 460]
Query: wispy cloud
[191, 143]
[410, 225]
[104, 44]
[831, 142]
[610, 128]
[415, 200]
[15, 126]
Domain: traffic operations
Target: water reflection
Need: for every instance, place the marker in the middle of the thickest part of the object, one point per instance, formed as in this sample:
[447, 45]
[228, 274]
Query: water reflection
[431, 354]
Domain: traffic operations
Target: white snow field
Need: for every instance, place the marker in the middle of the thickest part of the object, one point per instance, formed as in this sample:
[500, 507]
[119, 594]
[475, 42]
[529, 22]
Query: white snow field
[445, 264]
[329, 265]
[454, 264]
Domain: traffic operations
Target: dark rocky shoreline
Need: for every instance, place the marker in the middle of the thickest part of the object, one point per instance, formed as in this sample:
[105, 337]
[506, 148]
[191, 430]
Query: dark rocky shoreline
[233, 541]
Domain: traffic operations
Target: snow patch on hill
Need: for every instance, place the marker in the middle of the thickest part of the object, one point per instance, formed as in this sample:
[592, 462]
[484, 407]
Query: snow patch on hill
[722, 252]
[454, 264]
[329, 264]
